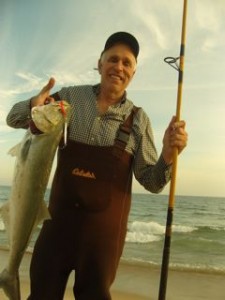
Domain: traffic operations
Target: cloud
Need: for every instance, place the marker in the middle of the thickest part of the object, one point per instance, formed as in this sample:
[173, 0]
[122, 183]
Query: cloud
[3, 127]
[66, 77]
[2, 141]
[31, 79]
[152, 25]
[25, 82]
[2, 113]
[210, 14]
[208, 24]
[67, 47]
[160, 21]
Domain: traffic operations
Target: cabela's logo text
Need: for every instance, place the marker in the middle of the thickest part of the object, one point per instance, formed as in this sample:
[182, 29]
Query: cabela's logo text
[83, 173]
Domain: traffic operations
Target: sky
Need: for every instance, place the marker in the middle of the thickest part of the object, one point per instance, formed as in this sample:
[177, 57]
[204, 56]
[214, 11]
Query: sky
[63, 39]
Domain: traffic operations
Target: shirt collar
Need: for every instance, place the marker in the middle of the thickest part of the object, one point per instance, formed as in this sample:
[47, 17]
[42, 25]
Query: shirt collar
[96, 89]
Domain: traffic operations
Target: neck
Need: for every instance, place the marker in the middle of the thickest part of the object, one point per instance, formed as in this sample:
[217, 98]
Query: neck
[106, 99]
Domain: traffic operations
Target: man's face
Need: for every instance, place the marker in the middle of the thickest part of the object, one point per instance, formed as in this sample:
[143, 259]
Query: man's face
[117, 67]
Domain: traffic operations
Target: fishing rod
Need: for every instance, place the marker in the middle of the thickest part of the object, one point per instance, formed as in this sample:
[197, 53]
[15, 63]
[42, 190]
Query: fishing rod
[168, 232]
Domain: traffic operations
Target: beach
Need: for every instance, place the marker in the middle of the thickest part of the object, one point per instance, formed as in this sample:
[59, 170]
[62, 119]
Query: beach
[137, 282]
[197, 265]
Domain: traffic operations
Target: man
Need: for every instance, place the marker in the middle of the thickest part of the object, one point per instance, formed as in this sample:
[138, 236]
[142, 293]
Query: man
[109, 141]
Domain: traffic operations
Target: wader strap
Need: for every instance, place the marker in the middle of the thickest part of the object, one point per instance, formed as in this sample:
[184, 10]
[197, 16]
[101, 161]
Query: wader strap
[123, 134]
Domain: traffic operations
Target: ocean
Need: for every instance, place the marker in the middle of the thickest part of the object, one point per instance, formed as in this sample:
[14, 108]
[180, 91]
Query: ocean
[198, 234]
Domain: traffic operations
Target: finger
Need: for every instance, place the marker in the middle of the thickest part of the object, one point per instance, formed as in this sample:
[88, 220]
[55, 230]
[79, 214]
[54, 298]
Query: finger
[178, 125]
[49, 100]
[179, 131]
[172, 121]
[48, 86]
[179, 145]
[178, 140]
[171, 126]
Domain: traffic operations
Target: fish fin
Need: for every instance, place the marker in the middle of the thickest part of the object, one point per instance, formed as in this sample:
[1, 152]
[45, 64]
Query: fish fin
[43, 213]
[4, 212]
[26, 147]
[10, 284]
[23, 147]
[15, 150]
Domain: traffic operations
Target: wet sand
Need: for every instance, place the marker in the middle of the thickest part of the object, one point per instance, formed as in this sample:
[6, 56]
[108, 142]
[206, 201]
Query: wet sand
[136, 282]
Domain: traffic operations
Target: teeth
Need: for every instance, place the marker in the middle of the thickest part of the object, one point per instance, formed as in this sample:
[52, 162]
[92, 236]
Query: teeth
[116, 76]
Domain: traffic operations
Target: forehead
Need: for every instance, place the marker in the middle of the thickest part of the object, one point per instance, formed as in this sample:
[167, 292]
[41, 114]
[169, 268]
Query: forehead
[121, 50]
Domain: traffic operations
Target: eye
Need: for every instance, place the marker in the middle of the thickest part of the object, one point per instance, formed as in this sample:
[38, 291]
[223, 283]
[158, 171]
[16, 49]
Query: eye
[127, 63]
[113, 59]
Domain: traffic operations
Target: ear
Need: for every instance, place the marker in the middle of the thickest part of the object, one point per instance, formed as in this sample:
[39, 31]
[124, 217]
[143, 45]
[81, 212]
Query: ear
[133, 74]
[99, 66]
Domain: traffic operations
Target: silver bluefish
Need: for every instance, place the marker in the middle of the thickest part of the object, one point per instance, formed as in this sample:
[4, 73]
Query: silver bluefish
[26, 207]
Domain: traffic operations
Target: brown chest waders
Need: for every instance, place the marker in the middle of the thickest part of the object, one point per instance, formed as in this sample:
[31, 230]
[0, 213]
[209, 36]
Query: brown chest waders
[89, 204]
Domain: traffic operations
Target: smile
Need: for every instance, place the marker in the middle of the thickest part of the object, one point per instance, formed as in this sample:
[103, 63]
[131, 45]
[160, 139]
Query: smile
[117, 77]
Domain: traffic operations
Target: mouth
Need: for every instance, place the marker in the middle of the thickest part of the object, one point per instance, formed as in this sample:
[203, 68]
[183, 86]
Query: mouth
[116, 77]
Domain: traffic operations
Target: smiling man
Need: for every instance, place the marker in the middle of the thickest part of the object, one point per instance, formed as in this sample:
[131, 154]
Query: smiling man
[117, 66]
[109, 140]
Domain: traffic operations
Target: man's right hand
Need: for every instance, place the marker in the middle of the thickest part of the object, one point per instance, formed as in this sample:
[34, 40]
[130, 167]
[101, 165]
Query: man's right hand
[44, 96]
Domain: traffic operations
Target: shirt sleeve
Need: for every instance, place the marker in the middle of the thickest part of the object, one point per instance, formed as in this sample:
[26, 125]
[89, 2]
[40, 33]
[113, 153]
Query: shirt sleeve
[150, 170]
[19, 115]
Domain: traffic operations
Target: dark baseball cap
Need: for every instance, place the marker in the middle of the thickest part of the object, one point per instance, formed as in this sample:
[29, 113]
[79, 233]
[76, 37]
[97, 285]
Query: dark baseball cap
[123, 38]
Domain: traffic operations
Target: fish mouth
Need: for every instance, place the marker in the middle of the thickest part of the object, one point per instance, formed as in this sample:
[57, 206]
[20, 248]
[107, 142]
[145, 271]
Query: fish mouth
[49, 116]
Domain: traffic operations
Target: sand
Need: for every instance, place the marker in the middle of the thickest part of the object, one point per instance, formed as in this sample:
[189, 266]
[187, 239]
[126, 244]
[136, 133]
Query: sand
[141, 283]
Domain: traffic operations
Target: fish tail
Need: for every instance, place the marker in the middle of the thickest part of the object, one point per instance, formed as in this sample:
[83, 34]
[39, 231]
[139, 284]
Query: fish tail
[10, 285]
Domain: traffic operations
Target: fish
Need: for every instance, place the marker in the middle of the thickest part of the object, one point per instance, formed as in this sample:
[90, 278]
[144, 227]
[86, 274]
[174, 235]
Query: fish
[26, 207]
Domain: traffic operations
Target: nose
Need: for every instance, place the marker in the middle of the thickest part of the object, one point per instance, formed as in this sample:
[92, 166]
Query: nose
[119, 65]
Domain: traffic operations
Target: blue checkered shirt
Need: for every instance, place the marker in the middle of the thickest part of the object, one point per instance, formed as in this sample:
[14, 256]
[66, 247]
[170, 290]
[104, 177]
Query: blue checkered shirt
[88, 126]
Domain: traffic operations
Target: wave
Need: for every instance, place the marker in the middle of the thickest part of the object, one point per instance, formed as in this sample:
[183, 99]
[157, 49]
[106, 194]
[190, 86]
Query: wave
[145, 232]
[176, 266]
[138, 237]
[183, 229]
[211, 228]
